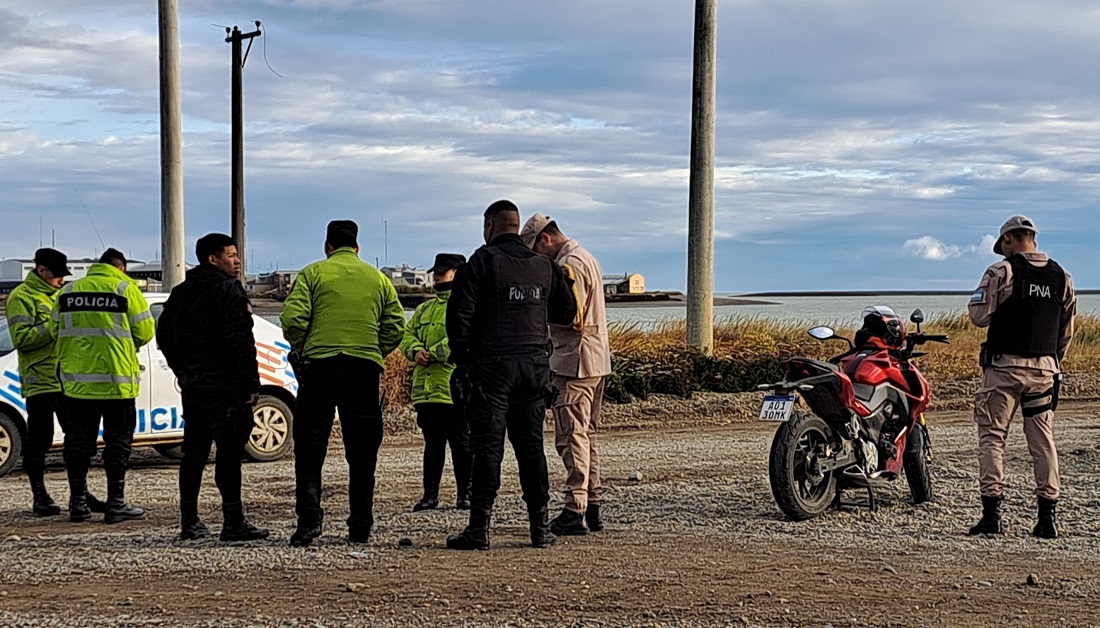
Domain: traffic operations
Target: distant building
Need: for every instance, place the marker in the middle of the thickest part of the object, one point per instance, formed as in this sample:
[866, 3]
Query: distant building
[14, 271]
[149, 277]
[275, 284]
[629, 283]
[405, 275]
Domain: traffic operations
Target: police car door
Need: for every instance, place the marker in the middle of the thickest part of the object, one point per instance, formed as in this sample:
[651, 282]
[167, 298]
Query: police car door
[160, 415]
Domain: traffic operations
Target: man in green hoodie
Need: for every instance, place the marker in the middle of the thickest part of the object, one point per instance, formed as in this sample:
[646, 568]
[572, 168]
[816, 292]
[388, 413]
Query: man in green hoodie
[341, 319]
[439, 415]
[28, 313]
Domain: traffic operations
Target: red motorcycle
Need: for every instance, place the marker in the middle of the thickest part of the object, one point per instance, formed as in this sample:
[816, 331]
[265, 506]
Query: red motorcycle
[866, 419]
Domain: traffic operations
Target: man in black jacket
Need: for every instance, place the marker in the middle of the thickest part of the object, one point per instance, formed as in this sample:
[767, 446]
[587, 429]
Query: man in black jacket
[205, 333]
[501, 303]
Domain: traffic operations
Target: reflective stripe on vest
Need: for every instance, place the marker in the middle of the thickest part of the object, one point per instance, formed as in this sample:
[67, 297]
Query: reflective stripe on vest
[98, 378]
[94, 332]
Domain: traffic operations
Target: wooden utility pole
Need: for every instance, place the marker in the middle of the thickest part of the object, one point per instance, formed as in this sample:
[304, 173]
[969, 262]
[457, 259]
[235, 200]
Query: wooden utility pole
[172, 264]
[700, 280]
[236, 37]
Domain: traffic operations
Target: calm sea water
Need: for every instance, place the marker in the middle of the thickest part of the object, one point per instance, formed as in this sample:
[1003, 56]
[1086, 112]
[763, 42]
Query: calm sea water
[838, 311]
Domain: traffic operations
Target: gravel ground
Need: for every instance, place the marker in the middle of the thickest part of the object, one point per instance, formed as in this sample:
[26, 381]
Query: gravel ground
[695, 540]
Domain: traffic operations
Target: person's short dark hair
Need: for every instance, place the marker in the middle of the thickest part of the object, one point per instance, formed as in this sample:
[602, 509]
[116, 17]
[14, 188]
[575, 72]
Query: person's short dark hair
[212, 244]
[1022, 234]
[114, 257]
[342, 233]
[501, 207]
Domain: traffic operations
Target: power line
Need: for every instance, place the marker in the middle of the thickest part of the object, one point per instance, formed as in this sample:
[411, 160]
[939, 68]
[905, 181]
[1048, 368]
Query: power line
[94, 228]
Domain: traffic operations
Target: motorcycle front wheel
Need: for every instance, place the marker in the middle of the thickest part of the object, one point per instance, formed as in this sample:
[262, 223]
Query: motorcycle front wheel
[918, 464]
[799, 491]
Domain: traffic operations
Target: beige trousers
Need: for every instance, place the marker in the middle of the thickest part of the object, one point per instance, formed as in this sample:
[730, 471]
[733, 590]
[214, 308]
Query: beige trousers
[576, 418]
[1002, 391]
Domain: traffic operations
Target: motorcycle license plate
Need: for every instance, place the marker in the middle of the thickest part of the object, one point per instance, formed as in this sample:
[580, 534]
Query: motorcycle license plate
[777, 408]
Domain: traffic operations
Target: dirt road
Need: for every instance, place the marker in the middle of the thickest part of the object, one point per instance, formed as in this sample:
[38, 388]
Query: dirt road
[697, 541]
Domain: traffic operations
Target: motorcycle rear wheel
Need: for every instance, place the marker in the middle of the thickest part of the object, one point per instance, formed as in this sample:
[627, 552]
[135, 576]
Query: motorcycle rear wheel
[918, 465]
[799, 495]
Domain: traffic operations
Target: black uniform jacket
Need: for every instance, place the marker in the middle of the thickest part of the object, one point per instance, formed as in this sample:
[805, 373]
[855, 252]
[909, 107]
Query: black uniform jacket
[205, 333]
[503, 299]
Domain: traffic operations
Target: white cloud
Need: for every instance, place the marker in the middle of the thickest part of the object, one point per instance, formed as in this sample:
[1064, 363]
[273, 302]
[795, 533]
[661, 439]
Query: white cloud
[930, 248]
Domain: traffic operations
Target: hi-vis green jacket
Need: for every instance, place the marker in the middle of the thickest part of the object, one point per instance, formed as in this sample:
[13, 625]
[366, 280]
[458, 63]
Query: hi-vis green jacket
[28, 311]
[427, 331]
[101, 320]
[343, 305]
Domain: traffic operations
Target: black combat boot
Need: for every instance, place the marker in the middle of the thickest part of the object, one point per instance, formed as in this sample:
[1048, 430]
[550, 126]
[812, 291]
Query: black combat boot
[95, 504]
[430, 500]
[462, 502]
[991, 516]
[568, 523]
[191, 527]
[1047, 527]
[117, 508]
[476, 534]
[78, 500]
[236, 527]
[539, 520]
[305, 534]
[592, 518]
[44, 505]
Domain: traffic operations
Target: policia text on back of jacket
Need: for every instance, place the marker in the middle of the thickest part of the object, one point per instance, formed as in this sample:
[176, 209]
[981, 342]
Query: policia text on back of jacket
[502, 302]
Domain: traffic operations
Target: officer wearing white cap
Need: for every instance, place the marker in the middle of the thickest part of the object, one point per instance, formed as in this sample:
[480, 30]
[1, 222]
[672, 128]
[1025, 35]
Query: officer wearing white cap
[1028, 303]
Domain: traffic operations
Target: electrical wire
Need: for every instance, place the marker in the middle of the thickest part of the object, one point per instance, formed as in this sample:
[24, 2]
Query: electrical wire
[258, 25]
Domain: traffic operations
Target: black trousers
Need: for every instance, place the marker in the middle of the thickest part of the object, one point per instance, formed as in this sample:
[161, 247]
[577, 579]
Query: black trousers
[40, 412]
[82, 431]
[350, 385]
[508, 396]
[444, 423]
[213, 417]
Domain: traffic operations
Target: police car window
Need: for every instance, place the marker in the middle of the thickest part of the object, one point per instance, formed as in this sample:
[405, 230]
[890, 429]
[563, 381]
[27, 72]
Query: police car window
[6, 344]
[157, 309]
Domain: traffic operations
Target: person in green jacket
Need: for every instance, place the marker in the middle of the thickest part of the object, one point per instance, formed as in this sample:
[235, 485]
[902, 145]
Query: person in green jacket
[341, 319]
[28, 313]
[440, 416]
[100, 321]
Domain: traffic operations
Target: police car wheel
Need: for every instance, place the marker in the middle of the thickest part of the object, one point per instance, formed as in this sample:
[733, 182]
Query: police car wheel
[271, 437]
[11, 443]
[172, 451]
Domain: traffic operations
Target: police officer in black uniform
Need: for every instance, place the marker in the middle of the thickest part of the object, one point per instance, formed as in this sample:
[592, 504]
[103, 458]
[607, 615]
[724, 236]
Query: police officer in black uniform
[205, 333]
[497, 321]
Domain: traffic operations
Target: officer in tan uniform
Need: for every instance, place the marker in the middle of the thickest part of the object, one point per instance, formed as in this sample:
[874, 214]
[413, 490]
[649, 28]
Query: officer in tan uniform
[1028, 303]
[581, 360]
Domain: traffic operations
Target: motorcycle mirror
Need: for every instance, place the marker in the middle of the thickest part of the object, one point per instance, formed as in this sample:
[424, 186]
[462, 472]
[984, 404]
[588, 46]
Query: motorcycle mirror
[822, 333]
[917, 316]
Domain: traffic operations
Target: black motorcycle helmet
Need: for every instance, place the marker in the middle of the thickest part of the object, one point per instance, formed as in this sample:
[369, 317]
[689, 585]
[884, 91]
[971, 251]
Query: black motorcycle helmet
[881, 328]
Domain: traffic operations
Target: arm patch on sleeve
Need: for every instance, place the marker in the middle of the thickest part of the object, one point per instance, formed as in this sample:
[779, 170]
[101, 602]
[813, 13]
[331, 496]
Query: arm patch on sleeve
[978, 297]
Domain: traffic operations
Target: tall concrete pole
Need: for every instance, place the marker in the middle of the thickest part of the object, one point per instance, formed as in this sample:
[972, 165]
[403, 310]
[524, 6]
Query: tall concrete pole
[236, 37]
[237, 142]
[700, 280]
[172, 262]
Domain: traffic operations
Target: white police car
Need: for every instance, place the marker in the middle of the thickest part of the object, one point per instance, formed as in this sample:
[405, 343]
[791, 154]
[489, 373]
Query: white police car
[159, 414]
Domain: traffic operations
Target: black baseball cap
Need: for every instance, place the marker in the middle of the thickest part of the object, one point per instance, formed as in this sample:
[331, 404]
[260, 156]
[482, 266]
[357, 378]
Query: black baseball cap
[54, 260]
[447, 261]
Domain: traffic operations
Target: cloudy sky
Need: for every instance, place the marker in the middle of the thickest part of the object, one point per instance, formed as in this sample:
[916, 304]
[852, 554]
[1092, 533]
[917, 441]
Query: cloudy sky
[861, 144]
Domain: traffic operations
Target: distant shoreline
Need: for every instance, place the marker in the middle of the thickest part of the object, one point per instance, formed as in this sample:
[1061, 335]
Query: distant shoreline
[873, 293]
